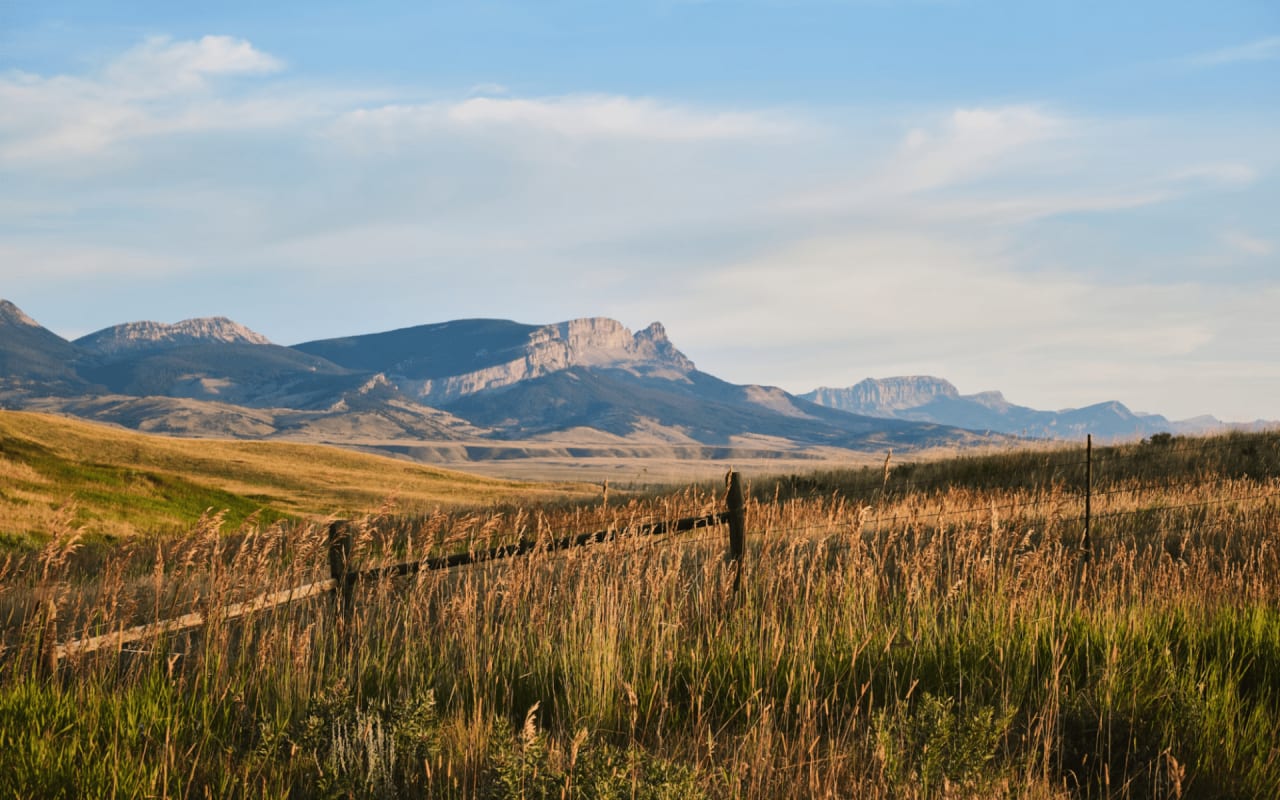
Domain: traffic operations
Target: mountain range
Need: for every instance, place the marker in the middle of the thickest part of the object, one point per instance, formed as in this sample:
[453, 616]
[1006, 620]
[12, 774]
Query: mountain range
[477, 389]
[923, 398]
[465, 390]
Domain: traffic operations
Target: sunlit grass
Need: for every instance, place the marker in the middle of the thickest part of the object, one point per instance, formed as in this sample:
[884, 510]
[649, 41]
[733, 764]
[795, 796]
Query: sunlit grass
[889, 641]
[117, 484]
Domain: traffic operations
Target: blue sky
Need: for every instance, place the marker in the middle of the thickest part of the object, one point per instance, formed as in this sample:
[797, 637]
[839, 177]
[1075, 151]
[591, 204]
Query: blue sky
[1068, 201]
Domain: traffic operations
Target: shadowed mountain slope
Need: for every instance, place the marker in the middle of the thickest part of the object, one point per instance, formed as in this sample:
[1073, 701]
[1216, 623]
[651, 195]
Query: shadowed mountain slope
[702, 408]
[31, 353]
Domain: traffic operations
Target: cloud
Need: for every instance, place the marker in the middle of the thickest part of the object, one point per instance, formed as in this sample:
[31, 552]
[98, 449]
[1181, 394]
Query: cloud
[955, 153]
[1227, 173]
[1242, 242]
[830, 246]
[1267, 49]
[160, 87]
[574, 117]
[971, 142]
[883, 303]
[946, 295]
[161, 64]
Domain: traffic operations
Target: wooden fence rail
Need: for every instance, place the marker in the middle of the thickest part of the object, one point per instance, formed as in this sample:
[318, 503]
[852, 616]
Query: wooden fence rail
[343, 579]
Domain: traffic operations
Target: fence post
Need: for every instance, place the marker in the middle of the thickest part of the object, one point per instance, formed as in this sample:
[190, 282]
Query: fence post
[49, 639]
[1087, 543]
[339, 557]
[737, 525]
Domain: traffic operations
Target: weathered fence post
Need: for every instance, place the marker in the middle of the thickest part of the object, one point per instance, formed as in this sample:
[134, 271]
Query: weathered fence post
[339, 558]
[1086, 541]
[737, 508]
[49, 639]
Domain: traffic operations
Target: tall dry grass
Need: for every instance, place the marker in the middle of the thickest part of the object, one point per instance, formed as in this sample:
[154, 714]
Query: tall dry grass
[902, 638]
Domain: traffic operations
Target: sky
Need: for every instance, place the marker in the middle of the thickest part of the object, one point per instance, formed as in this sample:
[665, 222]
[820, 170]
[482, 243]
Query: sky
[1071, 202]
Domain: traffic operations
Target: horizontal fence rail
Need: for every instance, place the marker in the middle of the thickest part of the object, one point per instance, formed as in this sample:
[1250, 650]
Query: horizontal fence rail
[342, 580]
[523, 547]
[1084, 510]
[119, 639]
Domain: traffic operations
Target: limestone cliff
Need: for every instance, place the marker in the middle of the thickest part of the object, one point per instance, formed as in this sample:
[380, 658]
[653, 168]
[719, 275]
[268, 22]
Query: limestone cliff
[882, 397]
[588, 342]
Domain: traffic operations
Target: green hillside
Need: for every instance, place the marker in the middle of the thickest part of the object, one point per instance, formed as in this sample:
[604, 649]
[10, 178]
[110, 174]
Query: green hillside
[57, 473]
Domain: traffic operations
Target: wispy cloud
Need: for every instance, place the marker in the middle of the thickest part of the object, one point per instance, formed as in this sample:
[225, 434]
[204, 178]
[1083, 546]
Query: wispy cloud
[969, 143]
[162, 86]
[1242, 242]
[1229, 173]
[576, 117]
[1267, 49]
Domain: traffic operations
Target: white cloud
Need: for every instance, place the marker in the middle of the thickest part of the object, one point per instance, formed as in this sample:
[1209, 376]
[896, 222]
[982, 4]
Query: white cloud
[162, 65]
[577, 117]
[956, 152]
[1227, 173]
[877, 304]
[970, 143]
[159, 87]
[1241, 242]
[1267, 49]
[949, 292]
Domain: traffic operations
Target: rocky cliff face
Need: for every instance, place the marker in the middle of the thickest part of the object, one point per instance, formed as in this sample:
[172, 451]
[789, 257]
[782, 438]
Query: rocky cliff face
[589, 342]
[133, 337]
[883, 397]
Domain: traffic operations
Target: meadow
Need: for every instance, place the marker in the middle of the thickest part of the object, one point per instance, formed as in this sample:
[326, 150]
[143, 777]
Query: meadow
[113, 484]
[910, 630]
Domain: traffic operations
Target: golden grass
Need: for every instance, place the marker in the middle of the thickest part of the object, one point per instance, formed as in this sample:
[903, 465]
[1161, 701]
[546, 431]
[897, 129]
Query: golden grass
[925, 633]
[122, 483]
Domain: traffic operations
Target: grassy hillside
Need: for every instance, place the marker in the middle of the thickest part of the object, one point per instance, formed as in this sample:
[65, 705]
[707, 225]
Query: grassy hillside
[57, 472]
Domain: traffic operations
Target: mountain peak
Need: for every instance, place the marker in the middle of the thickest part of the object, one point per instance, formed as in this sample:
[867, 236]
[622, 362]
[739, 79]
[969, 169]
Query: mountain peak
[656, 332]
[882, 397]
[137, 336]
[12, 315]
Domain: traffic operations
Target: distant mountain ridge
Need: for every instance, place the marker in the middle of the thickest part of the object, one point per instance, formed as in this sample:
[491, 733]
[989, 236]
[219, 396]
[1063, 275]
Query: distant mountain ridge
[487, 388]
[458, 389]
[139, 336]
[444, 362]
[924, 398]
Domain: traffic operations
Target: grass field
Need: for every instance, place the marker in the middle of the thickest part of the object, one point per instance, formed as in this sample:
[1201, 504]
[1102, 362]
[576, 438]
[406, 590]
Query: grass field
[925, 630]
[112, 483]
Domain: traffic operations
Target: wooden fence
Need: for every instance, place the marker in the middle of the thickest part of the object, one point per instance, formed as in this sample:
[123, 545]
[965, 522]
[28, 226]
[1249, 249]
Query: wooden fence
[343, 578]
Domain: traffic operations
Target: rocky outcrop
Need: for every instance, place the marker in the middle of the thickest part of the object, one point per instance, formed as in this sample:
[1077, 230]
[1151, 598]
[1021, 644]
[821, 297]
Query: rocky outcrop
[589, 342]
[885, 396]
[135, 337]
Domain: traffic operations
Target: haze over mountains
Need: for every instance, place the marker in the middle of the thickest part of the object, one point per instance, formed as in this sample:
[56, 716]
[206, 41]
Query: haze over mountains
[927, 399]
[477, 389]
